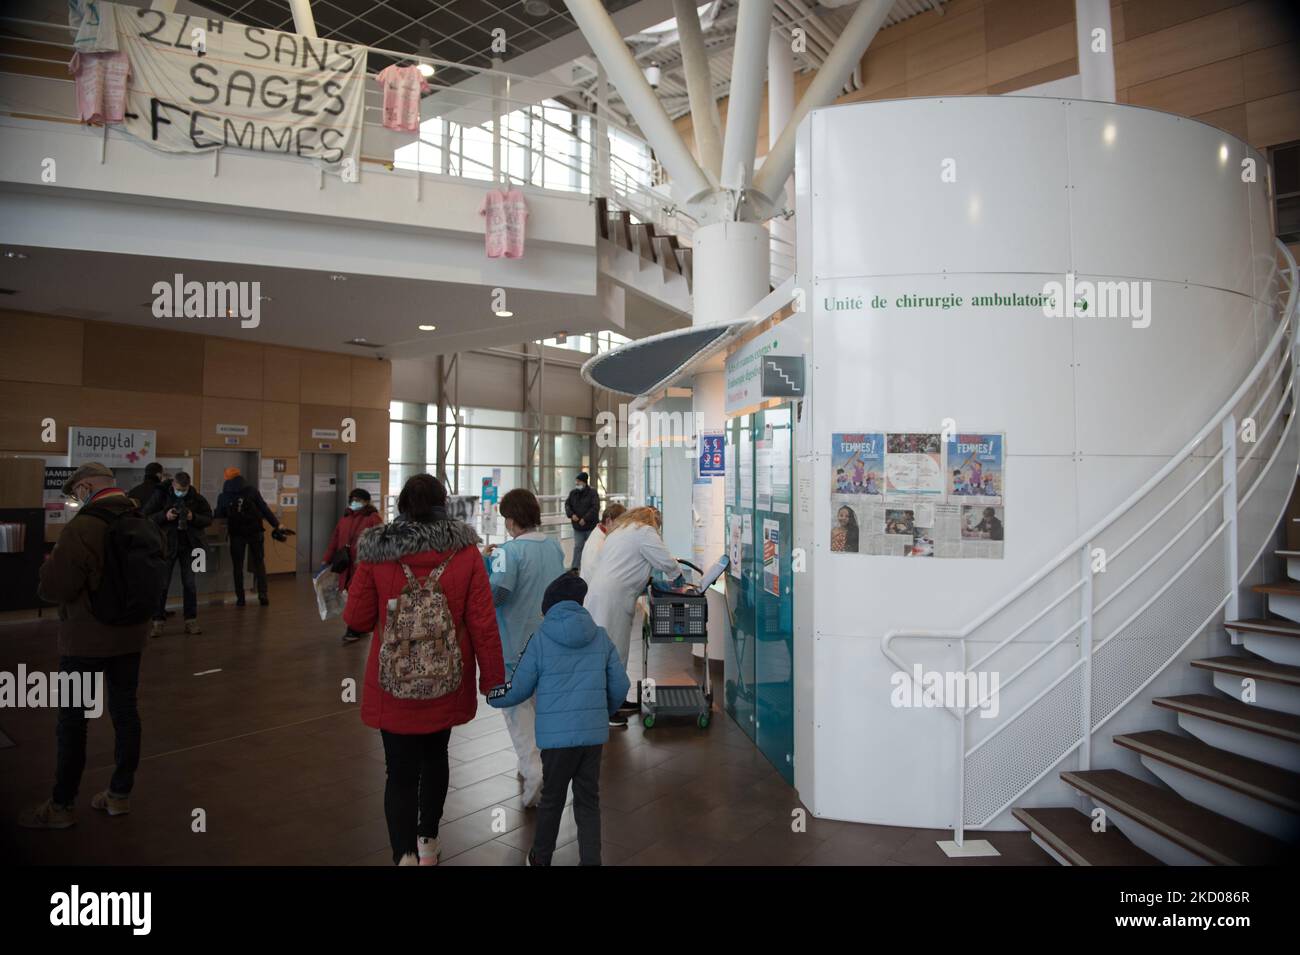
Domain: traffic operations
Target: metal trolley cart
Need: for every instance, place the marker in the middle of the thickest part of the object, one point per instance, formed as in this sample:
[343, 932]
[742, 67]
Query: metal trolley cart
[676, 616]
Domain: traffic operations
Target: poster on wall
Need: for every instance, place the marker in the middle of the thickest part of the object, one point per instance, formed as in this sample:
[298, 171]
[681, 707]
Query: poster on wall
[113, 447]
[772, 557]
[202, 84]
[368, 481]
[713, 452]
[937, 496]
[56, 505]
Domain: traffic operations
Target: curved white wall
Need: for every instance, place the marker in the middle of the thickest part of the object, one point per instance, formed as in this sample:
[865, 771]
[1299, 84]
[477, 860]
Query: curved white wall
[1090, 407]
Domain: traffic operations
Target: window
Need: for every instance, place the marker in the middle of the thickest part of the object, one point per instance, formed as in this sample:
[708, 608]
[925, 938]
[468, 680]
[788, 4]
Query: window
[1286, 190]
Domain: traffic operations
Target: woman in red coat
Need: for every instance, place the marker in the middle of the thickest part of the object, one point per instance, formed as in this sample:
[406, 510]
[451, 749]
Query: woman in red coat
[361, 516]
[416, 732]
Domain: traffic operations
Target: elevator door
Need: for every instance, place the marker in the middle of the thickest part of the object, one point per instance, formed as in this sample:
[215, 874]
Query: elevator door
[322, 499]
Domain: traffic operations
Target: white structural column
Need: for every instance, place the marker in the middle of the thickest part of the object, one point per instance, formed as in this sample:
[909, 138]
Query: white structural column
[780, 104]
[303, 21]
[844, 56]
[748, 65]
[688, 178]
[699, 86]
[1096, 42]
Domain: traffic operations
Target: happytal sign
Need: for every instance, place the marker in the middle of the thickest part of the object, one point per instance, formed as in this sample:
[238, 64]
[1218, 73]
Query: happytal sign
[199, 84]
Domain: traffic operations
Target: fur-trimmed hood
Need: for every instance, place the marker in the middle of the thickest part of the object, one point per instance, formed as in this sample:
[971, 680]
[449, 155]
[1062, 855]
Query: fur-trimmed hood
[401, 538]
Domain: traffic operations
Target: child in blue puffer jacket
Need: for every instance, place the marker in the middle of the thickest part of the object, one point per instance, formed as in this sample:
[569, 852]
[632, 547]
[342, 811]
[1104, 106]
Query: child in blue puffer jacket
[580, 682]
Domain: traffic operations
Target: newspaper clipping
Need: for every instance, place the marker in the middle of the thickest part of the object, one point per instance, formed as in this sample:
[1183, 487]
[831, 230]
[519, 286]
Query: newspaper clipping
[918, 494]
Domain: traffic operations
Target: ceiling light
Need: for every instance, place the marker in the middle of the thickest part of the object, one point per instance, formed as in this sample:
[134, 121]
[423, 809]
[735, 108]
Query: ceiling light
[537, 8]
[265, 298]
[428, 328]
[653, 74]
[15, 255]
[336, 277]
[505, 313]
[426, 69]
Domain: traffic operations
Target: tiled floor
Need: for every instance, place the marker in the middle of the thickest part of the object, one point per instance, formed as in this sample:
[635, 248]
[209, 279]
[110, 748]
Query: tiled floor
[285, 773]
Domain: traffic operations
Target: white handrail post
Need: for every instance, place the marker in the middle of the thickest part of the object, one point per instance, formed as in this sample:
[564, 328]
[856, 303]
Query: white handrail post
[959, 830]
[1230, 513]
[1085, 653]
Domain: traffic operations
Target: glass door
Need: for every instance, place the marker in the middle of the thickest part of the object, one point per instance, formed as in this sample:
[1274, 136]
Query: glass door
[774, 588]
[738, 659]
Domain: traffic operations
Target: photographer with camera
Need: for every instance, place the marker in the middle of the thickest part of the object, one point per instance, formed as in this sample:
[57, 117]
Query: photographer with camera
[181, 512]
[244, 509]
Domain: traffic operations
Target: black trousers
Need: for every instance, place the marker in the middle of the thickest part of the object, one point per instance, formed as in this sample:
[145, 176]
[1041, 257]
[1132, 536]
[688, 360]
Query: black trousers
[579, 765]
[184, 556]
[121, 679]
[418, 773]
[256, 563]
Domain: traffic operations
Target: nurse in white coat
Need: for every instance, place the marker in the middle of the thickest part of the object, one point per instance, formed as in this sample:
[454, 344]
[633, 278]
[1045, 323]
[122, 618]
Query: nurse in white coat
[632, 551]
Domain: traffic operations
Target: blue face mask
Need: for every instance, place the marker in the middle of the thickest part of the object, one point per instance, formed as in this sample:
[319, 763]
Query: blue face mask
[355, 505]
[178, 492]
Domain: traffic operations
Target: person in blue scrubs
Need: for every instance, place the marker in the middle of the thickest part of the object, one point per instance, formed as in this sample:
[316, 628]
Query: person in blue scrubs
[520, 571]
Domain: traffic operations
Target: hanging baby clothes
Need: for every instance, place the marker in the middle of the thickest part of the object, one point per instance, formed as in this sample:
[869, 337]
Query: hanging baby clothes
[505, 213]
[402, 88]
[101, 86]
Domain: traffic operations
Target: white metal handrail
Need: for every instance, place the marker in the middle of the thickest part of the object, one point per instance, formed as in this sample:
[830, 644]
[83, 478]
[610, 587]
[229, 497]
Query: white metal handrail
[1072, 707]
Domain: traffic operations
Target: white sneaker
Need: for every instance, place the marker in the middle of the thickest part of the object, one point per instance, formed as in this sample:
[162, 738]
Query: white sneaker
[410, 859]
[429, 850]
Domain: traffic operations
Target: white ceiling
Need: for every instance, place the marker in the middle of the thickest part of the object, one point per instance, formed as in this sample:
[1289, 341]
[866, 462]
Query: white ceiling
[307, 308]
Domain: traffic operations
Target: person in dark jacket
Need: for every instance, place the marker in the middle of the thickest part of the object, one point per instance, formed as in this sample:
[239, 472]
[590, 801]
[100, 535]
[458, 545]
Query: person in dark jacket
[89, 648]
[416, 732]
[182, 513]
[244, 509]
[582, 507]
[580, 683]
[143, 492]
[360, 517]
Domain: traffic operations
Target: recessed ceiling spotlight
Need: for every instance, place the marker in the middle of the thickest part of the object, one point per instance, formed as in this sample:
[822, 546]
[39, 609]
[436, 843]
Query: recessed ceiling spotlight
[505, 313]
[537, 8]
[337, 277]
[265, 298]
[428, 328]
[11, 254]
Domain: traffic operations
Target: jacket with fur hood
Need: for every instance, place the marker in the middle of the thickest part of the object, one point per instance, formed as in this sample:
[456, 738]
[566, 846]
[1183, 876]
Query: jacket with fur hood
[381, 552]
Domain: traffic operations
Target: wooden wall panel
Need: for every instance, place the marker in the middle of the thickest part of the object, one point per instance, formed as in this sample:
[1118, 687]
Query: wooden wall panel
[150, 359]
[370, 451]
[283, 558]
[1274, 120]
[1272, 70]
[958, 37]
[372, 383]
[1202, 90]
[1010, 22]
[232, 369]
[22, 482]
[1031, 54]
[1262, 23]
[41, 348]
[279, 429]
[22, 407]
[238, 411]
[1175, 50]
[968, 76]
[1150, 16]
[281, 374]
[326, 379]
[328, 417]
[177, 418]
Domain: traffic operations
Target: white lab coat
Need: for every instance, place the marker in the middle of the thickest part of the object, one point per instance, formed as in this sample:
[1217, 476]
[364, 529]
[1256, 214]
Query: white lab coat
[628, 557]
[591, 554]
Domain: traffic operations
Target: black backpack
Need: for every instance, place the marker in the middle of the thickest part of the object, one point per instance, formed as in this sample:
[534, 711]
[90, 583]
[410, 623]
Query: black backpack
[242, 516]
[136, 568]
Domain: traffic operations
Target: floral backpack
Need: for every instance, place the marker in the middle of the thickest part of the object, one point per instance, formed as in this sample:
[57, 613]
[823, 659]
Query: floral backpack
[420, 657]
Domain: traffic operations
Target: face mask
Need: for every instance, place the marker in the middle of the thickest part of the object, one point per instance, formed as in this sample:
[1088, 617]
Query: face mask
[355, 505]
[83, 499]
[179, 492]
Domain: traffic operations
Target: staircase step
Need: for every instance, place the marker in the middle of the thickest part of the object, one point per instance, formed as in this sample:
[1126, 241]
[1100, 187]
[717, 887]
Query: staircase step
[1251, 667]
[1269, 784]
[1230, 712]
[1214, 838]
[1069, 834]
[1274, 626]
[1279, 588]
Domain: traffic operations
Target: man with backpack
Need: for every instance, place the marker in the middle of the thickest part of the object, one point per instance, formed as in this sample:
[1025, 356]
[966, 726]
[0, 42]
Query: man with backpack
[181, 512]
[104, 574]
[243, 508]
